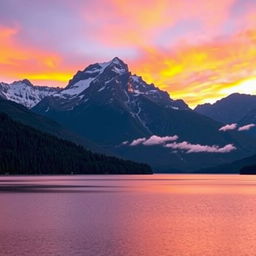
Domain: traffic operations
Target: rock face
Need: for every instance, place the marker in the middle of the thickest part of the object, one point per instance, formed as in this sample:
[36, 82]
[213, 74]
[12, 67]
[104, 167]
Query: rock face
[110, 106]
[23, 92]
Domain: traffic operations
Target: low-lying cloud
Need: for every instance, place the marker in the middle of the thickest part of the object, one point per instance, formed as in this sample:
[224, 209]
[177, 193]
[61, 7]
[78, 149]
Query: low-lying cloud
[156, 140]
[153, 140]
[234, 126]
[197, 148]
[228, 127]
[137, 142]
[246, 127]
[187, 147]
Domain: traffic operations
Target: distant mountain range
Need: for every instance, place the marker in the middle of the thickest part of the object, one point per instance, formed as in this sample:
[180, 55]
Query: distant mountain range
[236, 108]
[118, 112]
[232, 109]
[23, 92]
[245, 164]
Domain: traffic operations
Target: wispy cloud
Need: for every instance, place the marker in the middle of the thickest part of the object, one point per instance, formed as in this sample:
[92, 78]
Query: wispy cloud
[228, 127]
[137, 142]
[232, 127]
[157, 140]
[152, 141]
[246, 127]
[187, 147]
[198, 148]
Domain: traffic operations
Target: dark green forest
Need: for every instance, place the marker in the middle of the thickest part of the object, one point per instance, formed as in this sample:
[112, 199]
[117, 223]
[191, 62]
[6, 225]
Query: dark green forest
[26, 151]
[251, 169]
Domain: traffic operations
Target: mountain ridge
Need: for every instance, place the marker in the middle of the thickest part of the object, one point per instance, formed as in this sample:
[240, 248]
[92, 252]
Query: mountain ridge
[25, 93]
[25, 116]
[109, 105]
[230, 109]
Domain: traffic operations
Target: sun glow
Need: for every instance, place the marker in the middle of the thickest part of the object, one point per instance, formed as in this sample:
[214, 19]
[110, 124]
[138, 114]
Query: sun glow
[199, 58]
[247, 86]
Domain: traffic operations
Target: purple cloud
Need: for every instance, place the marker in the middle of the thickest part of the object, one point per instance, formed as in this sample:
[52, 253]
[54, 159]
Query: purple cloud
[157, 140]
[152, 141]
[137, 142]
[246, 127]
[228, 127]
[184, 146]
[197, 148]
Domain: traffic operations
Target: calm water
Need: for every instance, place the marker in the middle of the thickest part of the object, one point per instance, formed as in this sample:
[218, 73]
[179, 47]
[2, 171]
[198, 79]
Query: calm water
[128, 215]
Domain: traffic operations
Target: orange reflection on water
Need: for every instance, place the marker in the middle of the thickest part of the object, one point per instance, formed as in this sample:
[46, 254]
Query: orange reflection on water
[176, 215]
[193, 215]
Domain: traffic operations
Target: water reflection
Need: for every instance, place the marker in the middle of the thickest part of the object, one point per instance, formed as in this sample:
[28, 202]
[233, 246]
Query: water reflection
[128, 215]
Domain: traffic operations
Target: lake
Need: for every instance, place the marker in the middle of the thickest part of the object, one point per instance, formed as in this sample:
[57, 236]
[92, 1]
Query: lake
[176, 215]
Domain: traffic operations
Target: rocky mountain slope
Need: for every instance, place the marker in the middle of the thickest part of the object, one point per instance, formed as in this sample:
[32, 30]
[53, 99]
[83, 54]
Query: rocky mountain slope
[112, 107]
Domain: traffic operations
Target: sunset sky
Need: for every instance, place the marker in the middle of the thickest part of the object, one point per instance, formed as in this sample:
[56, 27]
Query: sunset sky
[198, 50]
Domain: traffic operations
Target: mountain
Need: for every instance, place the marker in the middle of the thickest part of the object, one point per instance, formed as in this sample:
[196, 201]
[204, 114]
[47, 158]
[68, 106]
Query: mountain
[112, 107]
[249, 118]
[231, 109]
[25, 150]
[251, 169]
[244, 165]
[23, 92]
[106, 97]
[25, 116]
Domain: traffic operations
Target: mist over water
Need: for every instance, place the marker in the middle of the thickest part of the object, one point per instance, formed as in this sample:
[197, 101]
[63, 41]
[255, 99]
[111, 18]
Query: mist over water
[128, 215]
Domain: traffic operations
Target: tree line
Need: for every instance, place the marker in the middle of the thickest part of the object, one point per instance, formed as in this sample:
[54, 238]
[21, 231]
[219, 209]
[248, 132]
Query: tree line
[26, 151]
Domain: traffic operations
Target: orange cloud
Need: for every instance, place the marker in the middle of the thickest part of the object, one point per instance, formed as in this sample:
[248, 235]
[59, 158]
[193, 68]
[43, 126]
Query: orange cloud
[200, 73]
[138, 23]
[196, 50]
[18, 61]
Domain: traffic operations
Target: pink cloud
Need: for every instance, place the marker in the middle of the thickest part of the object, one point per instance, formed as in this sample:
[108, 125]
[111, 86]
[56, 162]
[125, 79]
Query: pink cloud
[246, 127]
[121, 25]
[184, 146]
[137, 142]
[152, 141]
[228, 127]
[197, 148]
[157, 140]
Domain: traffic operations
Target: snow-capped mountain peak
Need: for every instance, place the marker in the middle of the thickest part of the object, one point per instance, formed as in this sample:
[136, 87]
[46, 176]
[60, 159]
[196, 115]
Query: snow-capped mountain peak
[108, 83]
[116, 66]
[102, 72]
[25, 93]
[22, 82]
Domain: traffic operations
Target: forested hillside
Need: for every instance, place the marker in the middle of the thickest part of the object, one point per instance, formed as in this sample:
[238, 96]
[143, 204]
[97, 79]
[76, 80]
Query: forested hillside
[24, 150]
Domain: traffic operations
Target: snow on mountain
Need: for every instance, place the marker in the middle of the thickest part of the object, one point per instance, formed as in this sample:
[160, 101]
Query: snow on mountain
[23, 92]
[75, 90]
[110, 84]
[112, 80]
[107, 80]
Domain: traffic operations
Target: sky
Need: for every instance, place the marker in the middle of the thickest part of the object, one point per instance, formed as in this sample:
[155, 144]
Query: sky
[197, 50]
